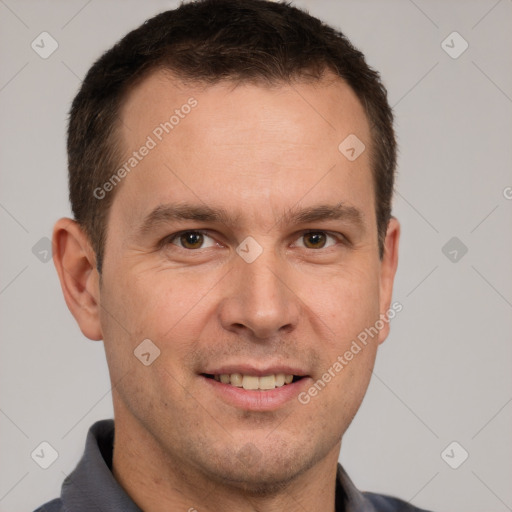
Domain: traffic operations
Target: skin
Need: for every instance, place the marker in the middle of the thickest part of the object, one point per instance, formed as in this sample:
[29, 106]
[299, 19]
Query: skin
[258, 152]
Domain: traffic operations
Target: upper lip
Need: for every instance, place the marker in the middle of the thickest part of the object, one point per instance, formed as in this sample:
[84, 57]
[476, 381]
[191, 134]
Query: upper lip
[258, 371]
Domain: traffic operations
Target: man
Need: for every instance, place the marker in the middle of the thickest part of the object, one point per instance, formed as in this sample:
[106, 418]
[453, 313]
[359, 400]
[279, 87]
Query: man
[231, 168]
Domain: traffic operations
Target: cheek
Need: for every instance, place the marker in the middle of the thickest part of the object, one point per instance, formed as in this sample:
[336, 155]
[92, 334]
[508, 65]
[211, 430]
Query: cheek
[347, 302]
[348, 306]
[169, 307]
[150, 306]
[153, 301]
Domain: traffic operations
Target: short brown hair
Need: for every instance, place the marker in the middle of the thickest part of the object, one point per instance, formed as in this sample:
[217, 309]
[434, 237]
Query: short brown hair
[208, 41]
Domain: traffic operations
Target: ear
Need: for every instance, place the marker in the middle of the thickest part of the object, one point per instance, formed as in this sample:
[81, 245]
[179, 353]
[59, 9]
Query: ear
[388, 267]
[75, 261]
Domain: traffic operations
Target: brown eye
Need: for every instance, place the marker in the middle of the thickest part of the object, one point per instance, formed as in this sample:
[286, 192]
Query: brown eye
[314, 240]
[319, 240]
[191, 240]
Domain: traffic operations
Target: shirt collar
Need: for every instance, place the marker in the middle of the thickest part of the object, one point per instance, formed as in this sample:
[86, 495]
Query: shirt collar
[348, 497]
[92, 486]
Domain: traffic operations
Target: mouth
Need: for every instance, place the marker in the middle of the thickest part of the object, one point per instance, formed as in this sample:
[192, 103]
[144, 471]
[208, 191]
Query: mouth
[255, 382]
[263, 392]
[254, 387]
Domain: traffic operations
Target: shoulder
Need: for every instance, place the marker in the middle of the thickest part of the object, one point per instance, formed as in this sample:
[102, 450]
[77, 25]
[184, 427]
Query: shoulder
[384, 503]
[52, 506]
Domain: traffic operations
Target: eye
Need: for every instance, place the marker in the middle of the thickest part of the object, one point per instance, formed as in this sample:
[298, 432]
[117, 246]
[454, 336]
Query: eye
[190, 240]
[318, 239]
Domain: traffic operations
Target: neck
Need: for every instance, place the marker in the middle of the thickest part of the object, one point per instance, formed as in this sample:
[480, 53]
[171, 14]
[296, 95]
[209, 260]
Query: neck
[157, 482]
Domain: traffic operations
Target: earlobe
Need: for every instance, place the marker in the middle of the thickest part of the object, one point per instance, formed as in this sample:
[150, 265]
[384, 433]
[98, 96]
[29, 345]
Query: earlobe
[388, 268]
[75, 262]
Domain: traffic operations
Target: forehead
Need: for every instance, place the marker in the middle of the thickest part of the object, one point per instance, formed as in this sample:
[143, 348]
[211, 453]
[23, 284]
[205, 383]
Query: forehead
[299, 112]
[242, 144]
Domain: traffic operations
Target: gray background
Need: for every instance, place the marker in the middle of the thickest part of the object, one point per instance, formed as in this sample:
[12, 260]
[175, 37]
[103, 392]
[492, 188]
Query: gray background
[443, 375]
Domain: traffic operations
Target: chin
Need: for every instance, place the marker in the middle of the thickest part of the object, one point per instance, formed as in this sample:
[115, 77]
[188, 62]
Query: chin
[258, 482]
[257, 473]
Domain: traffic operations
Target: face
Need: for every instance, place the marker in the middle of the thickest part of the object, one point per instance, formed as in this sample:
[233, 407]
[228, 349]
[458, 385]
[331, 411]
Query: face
[243, 244]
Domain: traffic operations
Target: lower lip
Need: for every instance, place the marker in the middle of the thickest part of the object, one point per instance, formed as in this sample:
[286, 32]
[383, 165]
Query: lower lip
[255, 400]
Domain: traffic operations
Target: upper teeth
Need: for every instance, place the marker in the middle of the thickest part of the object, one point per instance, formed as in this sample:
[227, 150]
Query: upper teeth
[254, 382]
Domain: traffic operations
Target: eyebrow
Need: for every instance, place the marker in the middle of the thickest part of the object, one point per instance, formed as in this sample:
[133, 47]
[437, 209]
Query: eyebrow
[323, 212]
[167, 213]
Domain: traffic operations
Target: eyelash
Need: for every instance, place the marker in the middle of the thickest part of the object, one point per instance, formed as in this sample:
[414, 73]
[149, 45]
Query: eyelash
[168, 239]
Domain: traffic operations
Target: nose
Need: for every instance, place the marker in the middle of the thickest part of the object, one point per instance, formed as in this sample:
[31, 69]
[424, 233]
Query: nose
[260, 301]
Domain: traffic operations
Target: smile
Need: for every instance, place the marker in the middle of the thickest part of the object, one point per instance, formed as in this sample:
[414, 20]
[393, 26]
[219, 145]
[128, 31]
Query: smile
[264, 392]
[254, 382]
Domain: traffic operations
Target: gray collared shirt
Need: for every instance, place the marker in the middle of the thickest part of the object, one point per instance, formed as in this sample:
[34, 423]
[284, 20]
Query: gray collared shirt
[91, 487]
